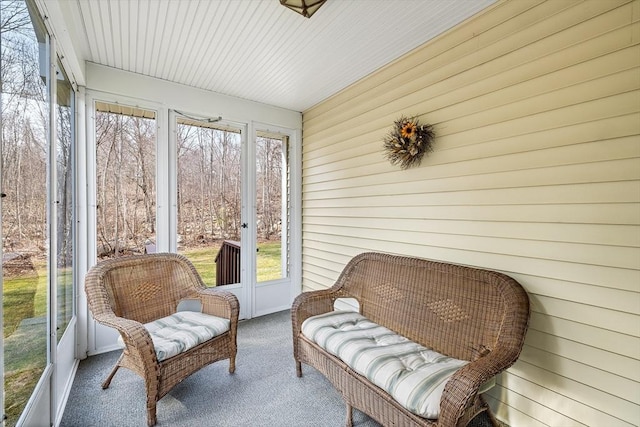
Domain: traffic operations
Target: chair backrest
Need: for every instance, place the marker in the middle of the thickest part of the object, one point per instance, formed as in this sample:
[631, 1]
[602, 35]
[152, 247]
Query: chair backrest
[141, 287]
[456, 310]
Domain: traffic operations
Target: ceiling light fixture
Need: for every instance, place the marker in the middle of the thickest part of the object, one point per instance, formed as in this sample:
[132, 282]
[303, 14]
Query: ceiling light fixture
[305, 8]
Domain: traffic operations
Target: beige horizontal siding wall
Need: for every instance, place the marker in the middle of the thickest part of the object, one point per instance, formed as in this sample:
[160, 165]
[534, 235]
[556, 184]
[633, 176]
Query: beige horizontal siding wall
[535, 173]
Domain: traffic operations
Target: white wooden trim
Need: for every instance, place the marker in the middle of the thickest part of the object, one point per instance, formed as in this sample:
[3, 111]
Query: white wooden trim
[101, 339]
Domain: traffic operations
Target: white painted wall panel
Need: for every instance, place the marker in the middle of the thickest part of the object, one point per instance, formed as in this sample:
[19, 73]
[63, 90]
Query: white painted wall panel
[535, 173]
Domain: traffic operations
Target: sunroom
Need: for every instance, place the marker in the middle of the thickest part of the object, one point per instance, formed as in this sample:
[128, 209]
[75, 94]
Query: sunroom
[249, 138]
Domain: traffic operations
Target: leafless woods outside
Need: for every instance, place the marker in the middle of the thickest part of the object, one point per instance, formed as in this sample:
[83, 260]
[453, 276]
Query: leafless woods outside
[209, 184]
[125, 183]
[24, 125]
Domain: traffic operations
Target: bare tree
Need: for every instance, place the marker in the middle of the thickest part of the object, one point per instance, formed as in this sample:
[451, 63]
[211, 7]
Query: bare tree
[269, 185]
[125, 154]
[14, 17]
[208, 183]
[24, 114]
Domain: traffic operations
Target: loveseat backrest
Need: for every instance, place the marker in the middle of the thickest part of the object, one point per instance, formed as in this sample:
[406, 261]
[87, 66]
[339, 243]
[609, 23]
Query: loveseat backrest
[459, 311]
[143, 287]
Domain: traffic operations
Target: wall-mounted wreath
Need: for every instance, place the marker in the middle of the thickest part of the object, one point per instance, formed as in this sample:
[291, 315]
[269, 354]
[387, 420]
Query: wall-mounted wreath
[407, 142]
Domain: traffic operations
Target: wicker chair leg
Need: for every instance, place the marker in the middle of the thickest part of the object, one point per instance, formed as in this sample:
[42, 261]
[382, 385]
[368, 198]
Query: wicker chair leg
[349, 421]
[298, 369]
[107, 382]
[232, 364]
[151, 414]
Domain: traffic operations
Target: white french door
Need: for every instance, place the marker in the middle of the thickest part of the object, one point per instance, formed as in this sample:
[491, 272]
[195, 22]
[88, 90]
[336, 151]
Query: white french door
[270, 212]
[230, 207]
[206, 196]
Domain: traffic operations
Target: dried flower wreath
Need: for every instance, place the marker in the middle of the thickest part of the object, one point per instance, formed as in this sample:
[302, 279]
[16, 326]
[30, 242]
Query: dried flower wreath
[408, 141]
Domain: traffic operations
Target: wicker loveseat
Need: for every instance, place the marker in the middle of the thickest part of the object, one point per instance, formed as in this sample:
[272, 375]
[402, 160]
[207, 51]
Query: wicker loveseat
[476, 316]
[162, 296]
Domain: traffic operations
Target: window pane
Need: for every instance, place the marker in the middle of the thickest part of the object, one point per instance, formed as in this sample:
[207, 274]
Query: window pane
[125, 173]
[271, 207]
[64, 201]
[209, 199]
[25, 116]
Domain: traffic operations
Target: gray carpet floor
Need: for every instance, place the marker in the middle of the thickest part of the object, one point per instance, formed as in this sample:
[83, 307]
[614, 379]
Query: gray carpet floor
[264, 390]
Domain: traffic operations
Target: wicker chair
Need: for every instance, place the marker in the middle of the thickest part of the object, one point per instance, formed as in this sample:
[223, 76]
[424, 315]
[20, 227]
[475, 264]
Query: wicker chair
[125, 293]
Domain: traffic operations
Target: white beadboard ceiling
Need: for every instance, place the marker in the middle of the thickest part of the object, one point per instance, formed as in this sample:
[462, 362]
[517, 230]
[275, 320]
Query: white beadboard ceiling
[257, 49]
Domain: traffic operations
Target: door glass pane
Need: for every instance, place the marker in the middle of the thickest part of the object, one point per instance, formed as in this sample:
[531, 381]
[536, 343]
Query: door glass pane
[64, 201]
[125, 174]
[271, 207]
[209, 198]
[25, 119]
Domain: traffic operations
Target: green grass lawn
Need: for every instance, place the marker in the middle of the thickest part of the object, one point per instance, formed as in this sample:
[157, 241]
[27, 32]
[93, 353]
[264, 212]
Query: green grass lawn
[268, 262]
[203, 260]
[25, 332]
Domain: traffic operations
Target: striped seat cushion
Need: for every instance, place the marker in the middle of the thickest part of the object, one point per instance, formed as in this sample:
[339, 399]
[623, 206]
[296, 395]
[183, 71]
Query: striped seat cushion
[415, 376]
[181, 331]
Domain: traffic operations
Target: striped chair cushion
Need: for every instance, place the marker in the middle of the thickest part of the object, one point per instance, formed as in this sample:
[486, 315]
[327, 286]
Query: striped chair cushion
[181, 331]
[413, 375]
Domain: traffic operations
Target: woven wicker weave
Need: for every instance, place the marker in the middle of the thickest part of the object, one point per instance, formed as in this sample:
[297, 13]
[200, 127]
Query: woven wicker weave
[467, 313]
[124, 293]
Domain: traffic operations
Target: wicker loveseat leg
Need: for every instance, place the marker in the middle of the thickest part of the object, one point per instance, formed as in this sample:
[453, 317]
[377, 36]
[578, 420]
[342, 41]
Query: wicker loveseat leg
[151, 411]
[492, 418]
[349, 420]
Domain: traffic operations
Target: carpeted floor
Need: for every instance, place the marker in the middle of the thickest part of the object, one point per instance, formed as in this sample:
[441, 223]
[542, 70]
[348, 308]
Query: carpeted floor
[264, 390]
